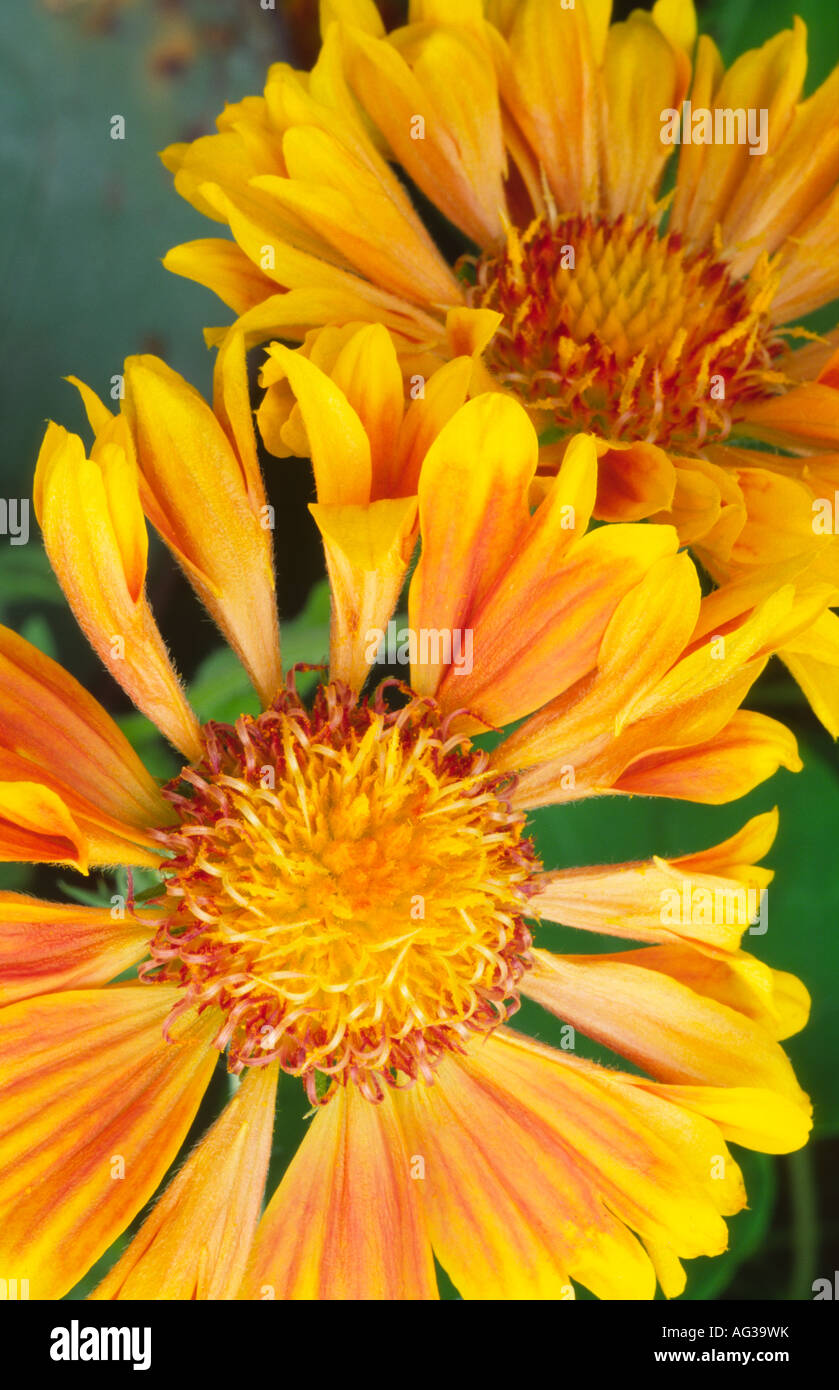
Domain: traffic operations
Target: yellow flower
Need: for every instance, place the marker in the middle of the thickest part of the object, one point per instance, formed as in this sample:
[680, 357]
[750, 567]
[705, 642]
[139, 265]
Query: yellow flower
[348, 888]
[653, 320]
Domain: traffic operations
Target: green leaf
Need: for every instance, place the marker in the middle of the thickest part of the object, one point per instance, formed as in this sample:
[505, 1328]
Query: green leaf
[27, 577]
[306, 637]
[37, 630]
[154, 753]
[221, 689]
[738, 25]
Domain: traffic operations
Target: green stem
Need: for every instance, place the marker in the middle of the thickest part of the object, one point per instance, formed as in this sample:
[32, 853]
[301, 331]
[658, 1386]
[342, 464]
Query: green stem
[805, 1235]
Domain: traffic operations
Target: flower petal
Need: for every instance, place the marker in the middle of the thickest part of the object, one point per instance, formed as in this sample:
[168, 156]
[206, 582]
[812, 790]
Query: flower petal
[48, 718]
[196, 1242]
[534, 1161]
[629, 900]
[338, 443]
[94, 534]
[460, 161]
[204, 496]
[368, 550]
[45, 947]
[552, 90]
[345, 1221]
[95, 1105]
[37, 828]
[660, 1024]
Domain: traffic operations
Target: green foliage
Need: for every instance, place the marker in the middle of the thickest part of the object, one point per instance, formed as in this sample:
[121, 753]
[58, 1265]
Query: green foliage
[221, 689]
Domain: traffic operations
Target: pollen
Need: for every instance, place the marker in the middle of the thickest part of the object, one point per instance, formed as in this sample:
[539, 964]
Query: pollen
[346, 889]
[610, 327]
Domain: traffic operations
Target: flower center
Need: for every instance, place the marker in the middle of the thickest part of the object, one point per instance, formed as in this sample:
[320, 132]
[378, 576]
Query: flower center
[346, 889]
[612, 328]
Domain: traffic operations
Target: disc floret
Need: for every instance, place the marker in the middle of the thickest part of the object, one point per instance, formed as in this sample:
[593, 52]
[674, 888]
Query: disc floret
[346, 888]
[610, 327]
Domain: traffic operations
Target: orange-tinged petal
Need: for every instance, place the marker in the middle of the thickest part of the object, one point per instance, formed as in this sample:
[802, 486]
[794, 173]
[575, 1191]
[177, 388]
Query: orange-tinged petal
[90, 518]
[37, 828]
[757, 1119]
[651, 1161]
[338, 443]
[345, 1221]
[459, 161]
[317, 285]
[659, 1023]
[627, 900]
[346, 207]
[773, 202]
[509, 1215]
[646, 633]
[750, 748]
[530, 1156]
[232, 409]
[95, 1105]
[445, 392]
[367, 371]
[196, 1242]
[203, 496]
[552, 90]
[713, 664]
[638, 59]
[736, 856]
[368, 550]
[106, 839]
[222, 267]
[470, 517]
[809, 273]
[804, 417]
[709, 175]
[634, 481]
[46, 947]
[539, 636]
[469, 331]
[775, 999]
[69, 735]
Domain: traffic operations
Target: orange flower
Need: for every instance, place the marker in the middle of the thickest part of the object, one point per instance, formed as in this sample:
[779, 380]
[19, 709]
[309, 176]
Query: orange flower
[348, 889]
[655, 321]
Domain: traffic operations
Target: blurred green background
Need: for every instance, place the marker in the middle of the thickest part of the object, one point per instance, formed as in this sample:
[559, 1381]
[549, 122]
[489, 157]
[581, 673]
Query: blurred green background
[87, 221]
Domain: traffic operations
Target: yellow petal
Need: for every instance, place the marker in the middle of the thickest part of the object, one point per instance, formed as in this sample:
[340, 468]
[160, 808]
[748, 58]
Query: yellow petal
[345, 1221]
[224, 268]
[446, 77]
[473, 507]
[71, 736]
[338, 443]
[643, 76]
[553, 93]
[659, 1023]
[676, 19]
[204, 498]
[196, 1242]
[367, 371]
[37, 828]
[91, 521]
[95, 1105]
[368, 550]
[757, 1119]
[53, 946]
